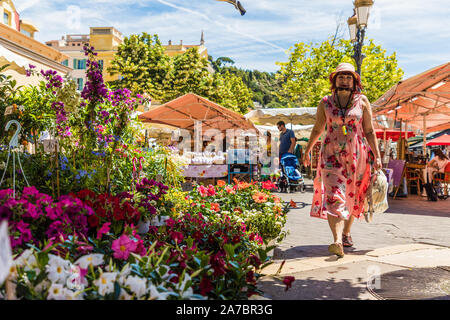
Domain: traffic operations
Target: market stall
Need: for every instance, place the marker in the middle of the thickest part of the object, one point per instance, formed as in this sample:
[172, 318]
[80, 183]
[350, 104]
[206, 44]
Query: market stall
[200, 120]
[420, 102]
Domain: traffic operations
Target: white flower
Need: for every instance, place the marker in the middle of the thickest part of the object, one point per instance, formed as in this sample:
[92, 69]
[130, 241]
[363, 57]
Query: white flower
[75, 281]
[23, 258]
[136, 285]
[124, 295]
[105, 283]
[155, 294]
[56, 292]
[186, 292]
[90, 259]
[125, 272]
[72, 295]
[42, 286]
[58, 269]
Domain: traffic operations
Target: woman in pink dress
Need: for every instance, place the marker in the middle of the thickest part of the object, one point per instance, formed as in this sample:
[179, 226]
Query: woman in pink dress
[344, 167]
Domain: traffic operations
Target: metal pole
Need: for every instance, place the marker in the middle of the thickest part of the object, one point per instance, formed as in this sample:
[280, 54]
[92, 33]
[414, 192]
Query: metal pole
[424, 136]
[357, 55]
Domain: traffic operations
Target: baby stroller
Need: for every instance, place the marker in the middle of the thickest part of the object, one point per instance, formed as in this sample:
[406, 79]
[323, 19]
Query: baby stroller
[290, 179]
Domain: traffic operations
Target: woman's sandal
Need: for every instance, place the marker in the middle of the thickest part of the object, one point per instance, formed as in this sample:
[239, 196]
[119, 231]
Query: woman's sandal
[347, 240]
[337, 249]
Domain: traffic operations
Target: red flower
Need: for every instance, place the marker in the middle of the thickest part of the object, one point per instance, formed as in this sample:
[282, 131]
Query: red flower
[205, 286]
[268, 185]
[339, 180]
[176, 236]
[215, 207]
[93, 221]
[250, 277]
[288, 280]
[349, 181]
[351, 194]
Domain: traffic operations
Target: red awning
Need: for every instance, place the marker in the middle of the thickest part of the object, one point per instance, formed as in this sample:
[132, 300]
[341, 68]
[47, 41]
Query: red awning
[392, 134]
[443, 140]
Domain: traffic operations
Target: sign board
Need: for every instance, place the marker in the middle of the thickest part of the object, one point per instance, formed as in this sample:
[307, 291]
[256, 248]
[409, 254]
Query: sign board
[50, 144]
[6, 260]
[9, 110]
[187, 186]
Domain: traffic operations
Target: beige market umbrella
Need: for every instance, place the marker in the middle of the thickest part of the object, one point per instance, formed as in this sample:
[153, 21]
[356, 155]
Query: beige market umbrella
[13, 60]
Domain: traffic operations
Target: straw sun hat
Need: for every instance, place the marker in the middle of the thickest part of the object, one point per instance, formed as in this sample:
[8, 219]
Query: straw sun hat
[346, 67]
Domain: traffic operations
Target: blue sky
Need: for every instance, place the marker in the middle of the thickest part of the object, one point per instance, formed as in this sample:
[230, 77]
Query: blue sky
[418, 31]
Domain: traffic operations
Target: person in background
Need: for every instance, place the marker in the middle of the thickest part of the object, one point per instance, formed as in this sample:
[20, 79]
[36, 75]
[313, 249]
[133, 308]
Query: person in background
[437, 164]
[298, 151]
[287, 139]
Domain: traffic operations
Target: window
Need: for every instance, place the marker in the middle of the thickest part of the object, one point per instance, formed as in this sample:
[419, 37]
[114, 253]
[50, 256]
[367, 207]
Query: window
[65, 62]
[26, 33]
[80, 84]
[79, 64]
[5, 18]
[100, 63]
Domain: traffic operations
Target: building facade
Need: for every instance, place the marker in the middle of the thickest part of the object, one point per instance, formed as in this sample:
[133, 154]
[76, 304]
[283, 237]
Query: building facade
[176, 49]
[105, 40]
[19, 49]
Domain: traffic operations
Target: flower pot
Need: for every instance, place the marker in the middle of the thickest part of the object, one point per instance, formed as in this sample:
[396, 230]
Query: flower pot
[143, 226]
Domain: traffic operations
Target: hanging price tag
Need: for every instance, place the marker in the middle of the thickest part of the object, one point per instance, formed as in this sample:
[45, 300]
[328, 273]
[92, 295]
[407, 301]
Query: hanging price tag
[50, 145]
[9, 110]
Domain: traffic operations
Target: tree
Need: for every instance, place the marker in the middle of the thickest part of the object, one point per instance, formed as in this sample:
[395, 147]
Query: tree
[305, 76]
[189, 73]
[144, 66]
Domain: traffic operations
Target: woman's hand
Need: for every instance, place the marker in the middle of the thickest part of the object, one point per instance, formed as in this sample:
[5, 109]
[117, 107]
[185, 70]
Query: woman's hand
[306, 159]
[378, 165]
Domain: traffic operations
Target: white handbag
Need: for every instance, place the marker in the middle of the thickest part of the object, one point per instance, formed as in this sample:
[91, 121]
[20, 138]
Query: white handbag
[376, 200]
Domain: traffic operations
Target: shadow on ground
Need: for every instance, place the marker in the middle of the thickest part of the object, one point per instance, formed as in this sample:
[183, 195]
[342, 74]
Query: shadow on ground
[310, 251]
[311, 289]
[417, 205]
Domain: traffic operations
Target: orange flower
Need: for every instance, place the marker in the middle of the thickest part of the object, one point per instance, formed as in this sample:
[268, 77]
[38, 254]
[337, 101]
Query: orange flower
[260, 197]
[215, 207]
[221, 183]
[276, 199]
[293, 204]
[230, 190]
[243, 185]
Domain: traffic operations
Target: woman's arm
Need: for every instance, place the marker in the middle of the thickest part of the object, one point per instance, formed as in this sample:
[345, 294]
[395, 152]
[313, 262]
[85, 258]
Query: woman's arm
[316, 132]
[369, 131]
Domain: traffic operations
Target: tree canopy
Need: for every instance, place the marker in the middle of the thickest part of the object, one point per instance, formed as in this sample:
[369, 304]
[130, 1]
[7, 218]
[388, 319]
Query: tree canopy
[304, 76]
[145, 68]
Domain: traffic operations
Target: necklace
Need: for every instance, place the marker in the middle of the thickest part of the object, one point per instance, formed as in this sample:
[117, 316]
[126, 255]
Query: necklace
[343, 112]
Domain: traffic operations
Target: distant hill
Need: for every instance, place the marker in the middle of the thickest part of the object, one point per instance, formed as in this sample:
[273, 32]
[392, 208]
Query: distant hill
[262, 84]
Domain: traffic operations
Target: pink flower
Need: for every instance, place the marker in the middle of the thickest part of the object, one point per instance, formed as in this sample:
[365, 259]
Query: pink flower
[211, 190]
[203, 191]
[122, 247]
[103, 230]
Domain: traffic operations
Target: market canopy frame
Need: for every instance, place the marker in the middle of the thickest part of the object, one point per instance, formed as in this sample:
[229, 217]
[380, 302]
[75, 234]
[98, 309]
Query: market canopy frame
[185, 111]
[270, 116]
[422, 101]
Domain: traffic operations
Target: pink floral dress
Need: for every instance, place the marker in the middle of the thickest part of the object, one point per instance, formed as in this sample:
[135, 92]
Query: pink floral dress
[343, 170]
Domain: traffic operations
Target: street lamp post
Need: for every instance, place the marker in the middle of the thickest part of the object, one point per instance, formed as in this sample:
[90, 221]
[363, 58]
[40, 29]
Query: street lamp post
[357, 25]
